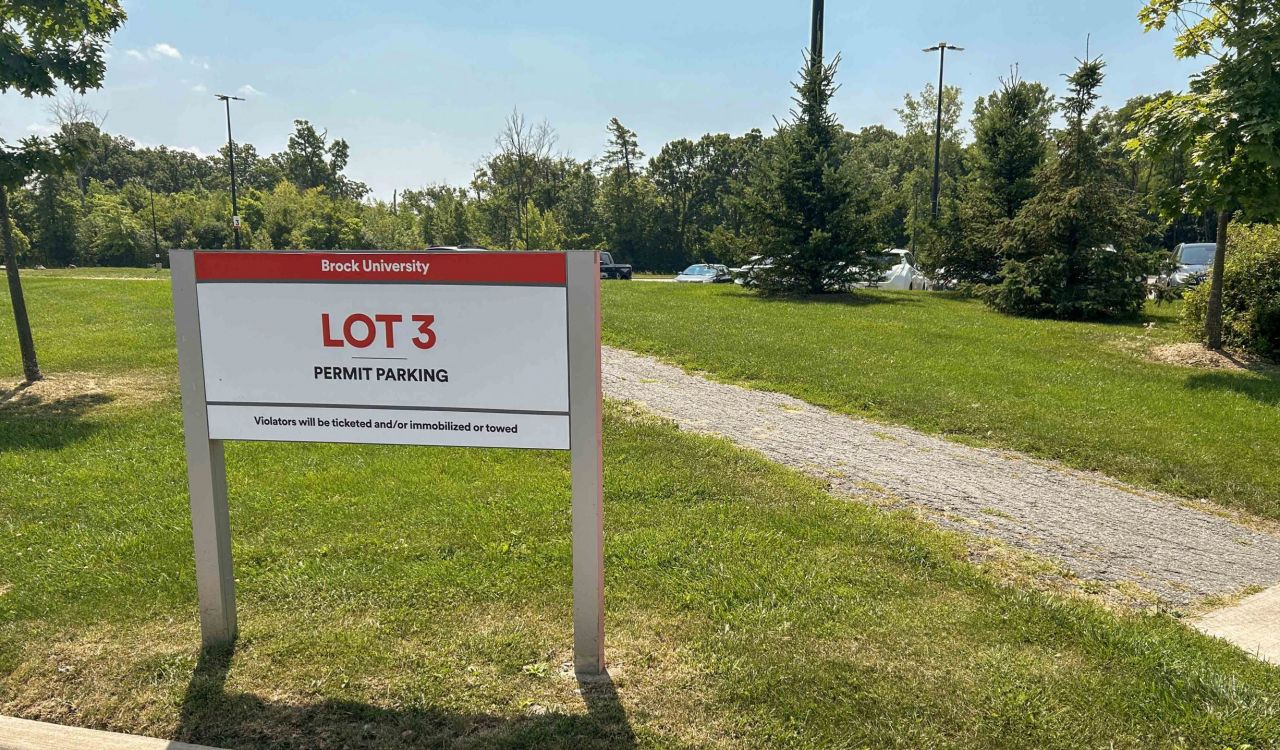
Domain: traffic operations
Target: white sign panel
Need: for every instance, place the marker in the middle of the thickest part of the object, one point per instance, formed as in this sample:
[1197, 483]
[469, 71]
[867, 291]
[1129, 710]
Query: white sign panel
[455, 349]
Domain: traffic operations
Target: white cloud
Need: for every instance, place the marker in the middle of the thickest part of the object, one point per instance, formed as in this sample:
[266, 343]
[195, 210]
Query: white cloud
[135, 54]
[248, 90]
[40, 128]
[165, 50]
[199, 88]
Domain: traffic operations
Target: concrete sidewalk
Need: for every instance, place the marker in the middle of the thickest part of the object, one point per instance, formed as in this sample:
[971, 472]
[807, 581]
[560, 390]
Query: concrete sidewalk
[1253, 625]
[20, 734]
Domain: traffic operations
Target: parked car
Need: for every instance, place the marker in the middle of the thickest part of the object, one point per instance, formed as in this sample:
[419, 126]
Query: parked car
[1191, 263]
[611, 270]
[892, 269]
[705, 273]
[900, 272]
[748, 275]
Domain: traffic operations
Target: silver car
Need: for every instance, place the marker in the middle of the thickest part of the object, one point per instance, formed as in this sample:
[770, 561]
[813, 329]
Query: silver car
[705, 273]
[1192, 262]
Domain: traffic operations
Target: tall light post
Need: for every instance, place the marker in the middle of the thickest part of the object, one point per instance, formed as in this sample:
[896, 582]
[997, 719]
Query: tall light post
[941, 49]
[155, 230]
[231, 157]
[816, 33]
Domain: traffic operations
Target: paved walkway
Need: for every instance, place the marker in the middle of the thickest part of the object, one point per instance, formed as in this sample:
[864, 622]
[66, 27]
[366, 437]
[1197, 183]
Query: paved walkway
[1094, 526]
[1253, 625]
[20, 734]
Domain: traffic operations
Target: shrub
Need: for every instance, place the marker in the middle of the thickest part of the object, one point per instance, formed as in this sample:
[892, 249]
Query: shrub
[1250, 292]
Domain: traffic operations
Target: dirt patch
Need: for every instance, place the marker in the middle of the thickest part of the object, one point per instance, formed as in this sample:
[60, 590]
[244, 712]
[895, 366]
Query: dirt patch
[61, 390]
[1200, 356]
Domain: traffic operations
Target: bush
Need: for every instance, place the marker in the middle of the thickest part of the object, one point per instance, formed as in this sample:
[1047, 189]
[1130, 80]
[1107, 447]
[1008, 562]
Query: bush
[1250, 292]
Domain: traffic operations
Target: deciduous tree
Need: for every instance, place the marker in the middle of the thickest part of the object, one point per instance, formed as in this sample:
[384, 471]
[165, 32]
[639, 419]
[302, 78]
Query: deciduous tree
[44, 44]
[1228, 121]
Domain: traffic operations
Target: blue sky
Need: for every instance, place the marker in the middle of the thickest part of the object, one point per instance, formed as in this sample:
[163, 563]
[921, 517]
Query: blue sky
[420, 89]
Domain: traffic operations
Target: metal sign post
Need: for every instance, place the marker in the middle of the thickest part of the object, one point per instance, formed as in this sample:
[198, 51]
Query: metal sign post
[486, 350]
[206, 469]
[586, 462]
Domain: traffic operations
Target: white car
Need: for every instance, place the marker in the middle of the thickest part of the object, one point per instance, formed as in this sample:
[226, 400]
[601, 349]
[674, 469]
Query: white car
[902, 273]
[748, 275]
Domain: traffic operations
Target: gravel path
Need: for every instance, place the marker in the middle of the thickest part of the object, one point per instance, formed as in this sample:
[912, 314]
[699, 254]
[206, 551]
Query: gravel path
[1092, 525]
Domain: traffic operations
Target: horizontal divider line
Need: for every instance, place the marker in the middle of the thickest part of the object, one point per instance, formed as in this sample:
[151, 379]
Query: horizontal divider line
[519, 412]
[531, 284]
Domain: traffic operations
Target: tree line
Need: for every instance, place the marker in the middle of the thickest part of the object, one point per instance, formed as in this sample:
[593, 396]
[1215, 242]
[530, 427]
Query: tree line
[1049, 206]
[695, 200]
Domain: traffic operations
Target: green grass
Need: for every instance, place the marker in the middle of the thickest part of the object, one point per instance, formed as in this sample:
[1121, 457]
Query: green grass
[1076, 392]
[98, 271]
[400, 597]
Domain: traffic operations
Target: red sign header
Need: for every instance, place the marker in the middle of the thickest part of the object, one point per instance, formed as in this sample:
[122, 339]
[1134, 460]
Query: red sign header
[408, 268]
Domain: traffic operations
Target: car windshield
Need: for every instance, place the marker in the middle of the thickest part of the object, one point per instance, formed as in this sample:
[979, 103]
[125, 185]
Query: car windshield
[698, 271]
[1197, 255]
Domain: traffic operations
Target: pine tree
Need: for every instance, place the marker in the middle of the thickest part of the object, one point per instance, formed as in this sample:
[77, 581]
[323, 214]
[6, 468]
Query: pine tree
[623, 151]
[1070, 251]
[804, 205]
[1011, 142]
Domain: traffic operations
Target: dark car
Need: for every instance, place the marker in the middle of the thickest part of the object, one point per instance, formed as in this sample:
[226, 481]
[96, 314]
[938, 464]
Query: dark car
[611, 270]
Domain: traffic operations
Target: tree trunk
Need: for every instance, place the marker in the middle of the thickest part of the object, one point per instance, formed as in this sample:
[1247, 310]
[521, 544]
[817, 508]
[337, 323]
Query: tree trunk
[1213, 317]
[30, 367]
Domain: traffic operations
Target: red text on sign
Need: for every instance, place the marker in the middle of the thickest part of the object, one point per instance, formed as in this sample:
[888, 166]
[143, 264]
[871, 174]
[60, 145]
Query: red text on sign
[362, 331]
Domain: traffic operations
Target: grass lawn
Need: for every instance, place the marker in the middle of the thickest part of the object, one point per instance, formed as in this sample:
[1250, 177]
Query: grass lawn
[98, 272]
[1076, 392]
[401, 597]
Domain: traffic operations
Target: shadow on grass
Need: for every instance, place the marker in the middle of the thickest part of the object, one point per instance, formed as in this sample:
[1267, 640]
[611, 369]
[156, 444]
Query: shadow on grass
[1260, 387]
[212, 716]
[31, 420]
[858, 298]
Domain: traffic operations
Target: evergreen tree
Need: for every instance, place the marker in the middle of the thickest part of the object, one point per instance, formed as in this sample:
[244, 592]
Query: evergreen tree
[623, 151]
[1011, 141]
[804, 201]
[627, 202]
[1069, 252]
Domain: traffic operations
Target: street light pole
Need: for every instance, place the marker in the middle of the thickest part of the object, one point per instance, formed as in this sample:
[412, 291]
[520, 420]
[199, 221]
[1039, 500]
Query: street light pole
[155, 230]
[231, 157]
[941, 49]
[817, 32]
